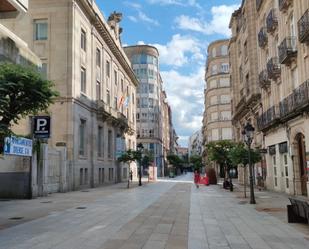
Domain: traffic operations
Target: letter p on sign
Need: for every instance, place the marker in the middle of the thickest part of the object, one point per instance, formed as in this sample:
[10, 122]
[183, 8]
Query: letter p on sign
[41, 124]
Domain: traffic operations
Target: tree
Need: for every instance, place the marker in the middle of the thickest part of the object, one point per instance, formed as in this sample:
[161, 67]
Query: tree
[175, 160]
[197, 162]
[219, 152]
[23, 91]
[239, 155]
[128, 157]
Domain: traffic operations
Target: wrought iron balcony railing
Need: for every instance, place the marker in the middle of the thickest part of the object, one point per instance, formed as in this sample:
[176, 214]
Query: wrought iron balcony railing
[258, 4]
[271, 21]
[287, 50]
[264, 80]
[262, 37]
[296, 101]
[284, 4]
[273, 68]
[268, 118]
[303, 27]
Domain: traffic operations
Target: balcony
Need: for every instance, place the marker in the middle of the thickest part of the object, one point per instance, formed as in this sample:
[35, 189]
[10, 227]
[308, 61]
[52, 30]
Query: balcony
[262, 37]
[271, 21]
[273, 68]
[268, 118]
[284, 4]
[258, 4]
[287, 50]
[293, 104]
[264, 80]
[12, 8]
[303, 27]
[122, 121]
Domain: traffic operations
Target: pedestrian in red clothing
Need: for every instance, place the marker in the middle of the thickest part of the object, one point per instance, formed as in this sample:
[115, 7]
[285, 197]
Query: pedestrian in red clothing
[197, 178]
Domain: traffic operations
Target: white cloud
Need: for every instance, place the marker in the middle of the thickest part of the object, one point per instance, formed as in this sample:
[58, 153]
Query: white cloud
[132, 18]
[180, 51]
[143, 17]
[219, 22]
[186, 97]
[140, 43]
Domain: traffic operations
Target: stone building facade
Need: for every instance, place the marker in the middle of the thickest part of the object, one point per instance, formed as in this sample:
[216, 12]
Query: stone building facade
[246, 93]
[217, 122]
[144, 59]
[283, 62]
[195, 144]
[94, 117]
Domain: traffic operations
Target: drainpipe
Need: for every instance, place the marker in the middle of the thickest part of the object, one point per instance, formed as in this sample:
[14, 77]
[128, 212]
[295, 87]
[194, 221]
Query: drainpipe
[92, 119]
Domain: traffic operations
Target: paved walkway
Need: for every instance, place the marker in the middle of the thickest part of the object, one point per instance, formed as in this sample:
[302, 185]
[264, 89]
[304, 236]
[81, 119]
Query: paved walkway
[169, 214]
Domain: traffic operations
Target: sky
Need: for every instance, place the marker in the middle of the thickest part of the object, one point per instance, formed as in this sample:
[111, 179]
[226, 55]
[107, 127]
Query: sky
[181, 30]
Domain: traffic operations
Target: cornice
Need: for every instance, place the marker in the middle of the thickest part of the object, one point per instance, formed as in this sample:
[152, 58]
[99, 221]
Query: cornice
[107, 37]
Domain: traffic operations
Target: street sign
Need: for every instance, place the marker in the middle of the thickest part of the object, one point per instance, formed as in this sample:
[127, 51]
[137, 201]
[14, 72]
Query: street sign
[41, 127]
[18, 146]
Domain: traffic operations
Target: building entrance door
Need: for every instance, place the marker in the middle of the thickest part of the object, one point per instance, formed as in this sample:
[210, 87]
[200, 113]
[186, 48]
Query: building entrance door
[302, 162]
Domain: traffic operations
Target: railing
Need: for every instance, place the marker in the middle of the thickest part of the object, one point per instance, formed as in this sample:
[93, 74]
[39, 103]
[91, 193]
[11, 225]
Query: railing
[297, 100]
[264, 80]
[303, 27]
[284, 4]
[273, 68]
[268, 118]
[271, 21]
[287, 50]
[262, 37]
[258, 4]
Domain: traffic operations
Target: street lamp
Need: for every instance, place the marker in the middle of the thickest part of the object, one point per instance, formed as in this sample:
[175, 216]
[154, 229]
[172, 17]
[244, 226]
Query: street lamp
[232, 173]
[248, 133]
[140, 148]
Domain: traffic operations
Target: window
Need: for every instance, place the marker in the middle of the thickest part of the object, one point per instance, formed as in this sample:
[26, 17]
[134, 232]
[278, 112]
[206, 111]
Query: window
[81, 176]
[115, 77]
[225, 99]
[151, 88]
[212, 84]
[226, 133]
[83, 40]
[214, 116]
[226, 115]
[224, 67]
[44, 70]
[100, 141]
[98, 57]
[110, 144]
[83, 80]
[110, 174]
[86, 176]
[82, 137]
[40, 29]
[213, 100]
[121, 85]
[115, 102]
[213, 52]
[224, 82]
[108, 69]
[98, 90]
[214, 69]
[224, 50]
[215, 134]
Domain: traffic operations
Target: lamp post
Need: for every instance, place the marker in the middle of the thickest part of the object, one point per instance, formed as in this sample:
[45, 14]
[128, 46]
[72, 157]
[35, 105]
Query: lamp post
[140, 148]
[248, 133]
[232, 173]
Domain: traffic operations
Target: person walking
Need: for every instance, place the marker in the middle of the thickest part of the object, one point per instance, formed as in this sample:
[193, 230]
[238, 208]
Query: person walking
[197, 178]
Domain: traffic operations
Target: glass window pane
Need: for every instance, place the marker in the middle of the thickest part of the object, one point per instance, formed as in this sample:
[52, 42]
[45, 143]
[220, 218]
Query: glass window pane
[41, 29]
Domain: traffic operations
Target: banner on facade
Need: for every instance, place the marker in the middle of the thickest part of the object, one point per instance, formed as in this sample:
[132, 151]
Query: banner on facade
[18, 146]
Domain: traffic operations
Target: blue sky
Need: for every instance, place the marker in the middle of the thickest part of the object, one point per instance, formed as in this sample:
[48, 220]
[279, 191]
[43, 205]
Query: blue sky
[181, 30]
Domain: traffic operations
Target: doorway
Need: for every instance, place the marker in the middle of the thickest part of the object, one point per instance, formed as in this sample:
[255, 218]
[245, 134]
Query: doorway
[300, 139]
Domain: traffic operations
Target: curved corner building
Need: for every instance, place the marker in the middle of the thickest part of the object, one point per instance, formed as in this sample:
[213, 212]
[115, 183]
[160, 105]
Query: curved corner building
[217, 115]
[144, 59]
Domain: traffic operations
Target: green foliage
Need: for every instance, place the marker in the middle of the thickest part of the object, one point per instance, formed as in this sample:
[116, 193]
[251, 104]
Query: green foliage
[130, 156]
[174, 160]
[23, 91]
[239, 155]
[219, 151]
[147, 159]
[196, 161]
